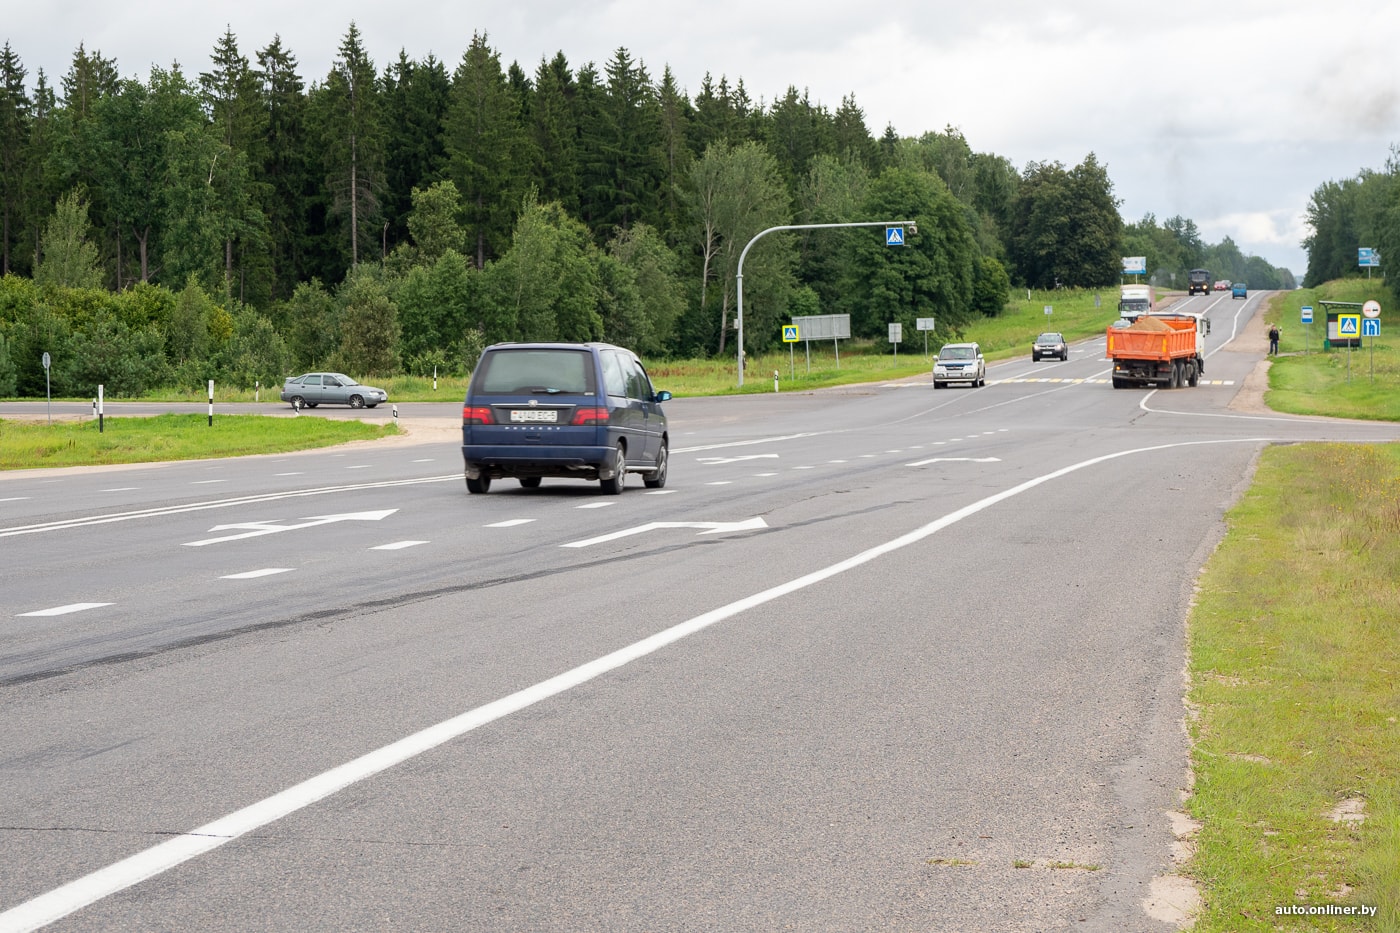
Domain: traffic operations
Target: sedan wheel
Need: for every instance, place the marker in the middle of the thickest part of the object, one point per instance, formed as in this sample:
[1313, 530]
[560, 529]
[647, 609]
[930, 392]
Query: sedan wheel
[357, 401]
[298, 402]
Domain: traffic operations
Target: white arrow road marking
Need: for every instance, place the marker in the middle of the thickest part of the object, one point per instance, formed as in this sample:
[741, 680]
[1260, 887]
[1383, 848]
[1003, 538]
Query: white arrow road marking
[716, 460]
[268, 528]
[711, 528]
[955, 460]
[64, 610]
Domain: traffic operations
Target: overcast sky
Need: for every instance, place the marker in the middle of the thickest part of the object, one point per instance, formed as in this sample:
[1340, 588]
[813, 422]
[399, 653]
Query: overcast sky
[1230, 113]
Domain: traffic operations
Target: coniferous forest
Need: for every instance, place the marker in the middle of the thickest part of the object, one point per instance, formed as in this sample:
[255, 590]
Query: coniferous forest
[243, 222]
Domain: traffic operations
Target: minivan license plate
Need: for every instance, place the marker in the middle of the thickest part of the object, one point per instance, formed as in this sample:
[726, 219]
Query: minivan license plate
[549, 415]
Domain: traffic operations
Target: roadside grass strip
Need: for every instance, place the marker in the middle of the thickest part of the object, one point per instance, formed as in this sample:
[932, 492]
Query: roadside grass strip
[1295, 695]
[26, 445]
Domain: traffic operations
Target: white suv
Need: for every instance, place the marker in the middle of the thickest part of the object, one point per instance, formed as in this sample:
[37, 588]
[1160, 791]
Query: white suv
[959, 362]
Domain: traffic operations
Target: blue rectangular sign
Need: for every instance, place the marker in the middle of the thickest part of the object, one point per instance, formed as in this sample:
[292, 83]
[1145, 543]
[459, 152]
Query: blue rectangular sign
[1307, 314]
[1366, 256]
[1370, 327]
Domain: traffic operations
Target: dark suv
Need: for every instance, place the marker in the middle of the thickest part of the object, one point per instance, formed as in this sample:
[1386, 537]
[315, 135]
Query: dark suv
[576, 410]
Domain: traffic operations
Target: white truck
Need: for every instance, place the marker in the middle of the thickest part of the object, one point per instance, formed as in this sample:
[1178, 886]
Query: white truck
[1135, 301]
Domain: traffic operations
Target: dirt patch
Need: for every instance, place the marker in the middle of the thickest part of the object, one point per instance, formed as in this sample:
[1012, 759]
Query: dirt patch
[1351, 810]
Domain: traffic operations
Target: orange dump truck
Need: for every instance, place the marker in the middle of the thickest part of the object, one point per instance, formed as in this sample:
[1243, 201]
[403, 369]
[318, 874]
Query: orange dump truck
[1161, 350]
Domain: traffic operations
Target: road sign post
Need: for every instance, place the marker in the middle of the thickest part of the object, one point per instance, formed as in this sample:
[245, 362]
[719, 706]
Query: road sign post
[896, 335]
[1307, 313]
[48, 389]
[1371, 327]
[925, 324]
[790, 336]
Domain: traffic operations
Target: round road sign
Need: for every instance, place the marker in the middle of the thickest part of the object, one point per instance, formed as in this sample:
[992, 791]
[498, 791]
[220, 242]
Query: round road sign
[1371, 309]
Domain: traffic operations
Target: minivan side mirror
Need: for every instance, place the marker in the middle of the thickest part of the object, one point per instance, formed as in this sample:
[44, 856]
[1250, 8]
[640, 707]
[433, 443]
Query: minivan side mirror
[663, 396]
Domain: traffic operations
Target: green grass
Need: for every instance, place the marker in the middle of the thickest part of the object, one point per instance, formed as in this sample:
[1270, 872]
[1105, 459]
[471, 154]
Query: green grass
[1295, 671]
[1306, 379]
[25, 445]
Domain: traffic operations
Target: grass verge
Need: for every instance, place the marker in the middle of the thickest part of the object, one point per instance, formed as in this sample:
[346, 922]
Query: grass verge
[1308, 379]
[1294, 652]
[25, 445]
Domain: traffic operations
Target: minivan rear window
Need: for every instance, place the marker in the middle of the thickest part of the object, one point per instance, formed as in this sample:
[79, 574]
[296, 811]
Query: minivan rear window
[528, 372]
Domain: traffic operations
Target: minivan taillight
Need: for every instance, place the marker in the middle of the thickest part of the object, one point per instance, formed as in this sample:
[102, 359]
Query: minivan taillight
[590, 416]
[477, 414]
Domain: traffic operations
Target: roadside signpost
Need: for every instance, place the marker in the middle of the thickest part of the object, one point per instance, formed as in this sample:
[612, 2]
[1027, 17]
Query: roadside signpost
[1307, 319]
[1371, 327]
[1368, 259]
[924, 324]
[48, 388]
[1349, 329]
[896, 335]
[789, 338]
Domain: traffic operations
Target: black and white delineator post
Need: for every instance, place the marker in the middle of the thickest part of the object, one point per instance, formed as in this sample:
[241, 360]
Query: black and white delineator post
[211, 403]
[99, 409]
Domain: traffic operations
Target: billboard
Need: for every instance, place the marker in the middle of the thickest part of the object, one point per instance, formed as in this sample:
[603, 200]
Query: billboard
[1134, 265]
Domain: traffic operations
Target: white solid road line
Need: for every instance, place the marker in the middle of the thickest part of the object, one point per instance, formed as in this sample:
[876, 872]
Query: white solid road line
[73, 896]
[64, 610]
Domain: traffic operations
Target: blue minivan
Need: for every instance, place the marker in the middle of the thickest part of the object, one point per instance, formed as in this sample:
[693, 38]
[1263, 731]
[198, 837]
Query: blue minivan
[574, 410]
[1239, 290]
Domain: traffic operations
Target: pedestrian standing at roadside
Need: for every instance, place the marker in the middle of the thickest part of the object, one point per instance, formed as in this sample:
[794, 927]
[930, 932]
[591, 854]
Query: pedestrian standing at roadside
[1273, 340]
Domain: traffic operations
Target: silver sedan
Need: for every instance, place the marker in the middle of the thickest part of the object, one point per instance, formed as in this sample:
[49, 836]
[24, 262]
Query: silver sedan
[312, 389]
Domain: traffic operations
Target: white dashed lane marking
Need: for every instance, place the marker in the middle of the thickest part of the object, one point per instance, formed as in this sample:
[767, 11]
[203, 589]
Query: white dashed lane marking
[64, 610]
[511, 523]
[254, 574]
[397, 545]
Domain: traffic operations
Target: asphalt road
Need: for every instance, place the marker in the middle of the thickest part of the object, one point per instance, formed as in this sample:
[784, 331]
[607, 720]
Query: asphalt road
[876, 658]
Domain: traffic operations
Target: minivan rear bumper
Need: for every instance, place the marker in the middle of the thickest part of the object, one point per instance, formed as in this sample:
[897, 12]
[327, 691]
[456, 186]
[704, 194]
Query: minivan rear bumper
[529, 460]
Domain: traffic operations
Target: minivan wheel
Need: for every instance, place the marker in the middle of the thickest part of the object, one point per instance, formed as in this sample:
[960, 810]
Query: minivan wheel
[479, 485]
[614, 486]
[657, 478]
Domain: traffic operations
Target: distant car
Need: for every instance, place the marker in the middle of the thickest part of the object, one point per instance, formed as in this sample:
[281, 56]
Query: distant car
[312, 389]
[1239, 290]
[1222, 285]
[575, 410]
[1049, 344]
[959, 362]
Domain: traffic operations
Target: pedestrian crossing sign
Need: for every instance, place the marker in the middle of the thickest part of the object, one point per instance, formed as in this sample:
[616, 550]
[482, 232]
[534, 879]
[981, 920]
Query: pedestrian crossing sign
[894, 236]
[1348, 325]
[789, 333]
